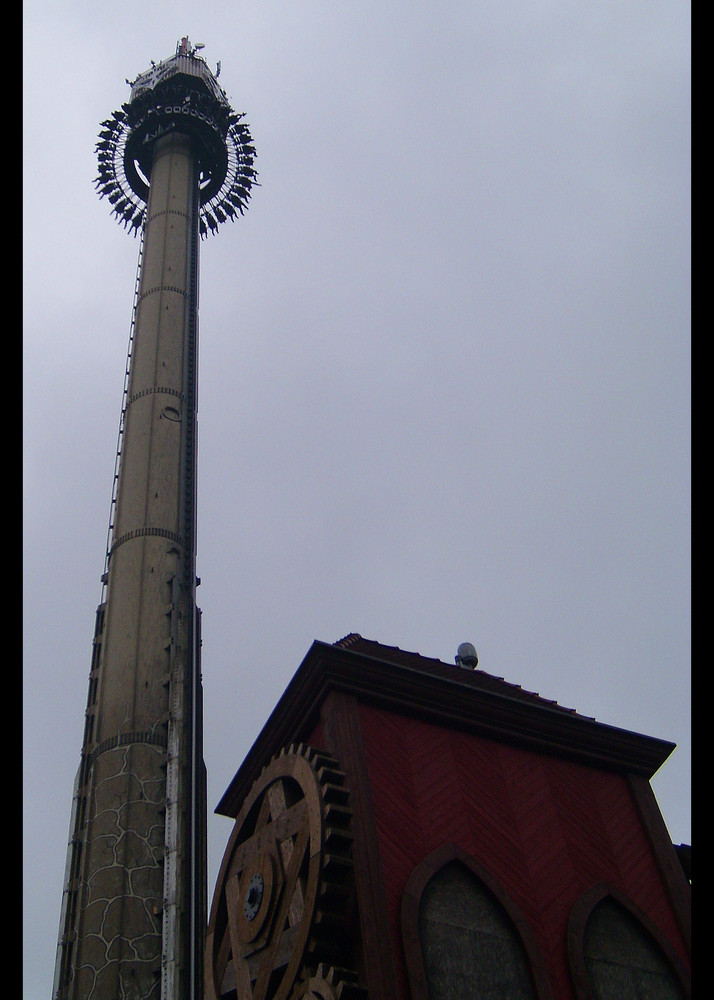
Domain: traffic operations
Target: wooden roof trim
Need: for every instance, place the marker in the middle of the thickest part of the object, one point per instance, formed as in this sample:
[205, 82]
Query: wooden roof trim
[531, 723]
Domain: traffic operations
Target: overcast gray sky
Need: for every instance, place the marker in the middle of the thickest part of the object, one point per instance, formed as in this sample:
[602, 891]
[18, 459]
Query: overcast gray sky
[444, 364]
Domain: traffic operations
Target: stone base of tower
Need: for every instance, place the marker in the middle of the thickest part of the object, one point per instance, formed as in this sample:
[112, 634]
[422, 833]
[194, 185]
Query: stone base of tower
[125, 887]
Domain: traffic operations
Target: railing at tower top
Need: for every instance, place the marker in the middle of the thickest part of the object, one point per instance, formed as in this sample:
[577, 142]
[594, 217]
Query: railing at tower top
[120, 435]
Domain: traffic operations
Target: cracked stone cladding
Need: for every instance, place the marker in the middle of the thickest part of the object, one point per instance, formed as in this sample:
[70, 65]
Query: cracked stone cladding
[125, 837]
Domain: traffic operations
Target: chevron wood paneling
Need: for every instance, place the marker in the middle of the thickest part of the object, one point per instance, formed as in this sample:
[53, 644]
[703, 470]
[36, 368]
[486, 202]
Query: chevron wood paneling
[546, 828]
[496, 839]
[552, 880]
[395, 803]
[639, 876]
[573, 787]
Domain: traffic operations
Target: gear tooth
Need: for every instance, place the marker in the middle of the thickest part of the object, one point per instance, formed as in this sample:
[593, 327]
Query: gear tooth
[337, 794]
[347, 985]
[338, 819]
[330, 982]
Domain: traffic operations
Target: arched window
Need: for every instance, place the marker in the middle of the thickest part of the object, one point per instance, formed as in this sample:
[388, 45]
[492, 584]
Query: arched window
[616, 953]
[463, 938]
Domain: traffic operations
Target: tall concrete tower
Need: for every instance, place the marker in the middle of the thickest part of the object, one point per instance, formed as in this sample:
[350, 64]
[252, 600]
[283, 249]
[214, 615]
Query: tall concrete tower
[174, 163]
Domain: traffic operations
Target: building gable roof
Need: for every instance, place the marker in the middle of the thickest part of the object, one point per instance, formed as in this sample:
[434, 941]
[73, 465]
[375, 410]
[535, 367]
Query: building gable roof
[478, 678]
[444, 694]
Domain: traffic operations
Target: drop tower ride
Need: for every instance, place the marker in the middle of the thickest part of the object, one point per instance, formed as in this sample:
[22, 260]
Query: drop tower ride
[174, 163]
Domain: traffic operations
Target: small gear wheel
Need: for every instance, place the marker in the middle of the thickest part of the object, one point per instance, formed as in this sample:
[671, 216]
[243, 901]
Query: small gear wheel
[283, 889]
[329, 983]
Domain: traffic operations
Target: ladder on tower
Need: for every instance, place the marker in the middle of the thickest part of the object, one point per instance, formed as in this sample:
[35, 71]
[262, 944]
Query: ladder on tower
[120, 435]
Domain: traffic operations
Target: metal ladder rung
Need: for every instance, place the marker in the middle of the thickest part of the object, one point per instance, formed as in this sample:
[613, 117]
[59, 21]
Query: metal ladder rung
[125, 391]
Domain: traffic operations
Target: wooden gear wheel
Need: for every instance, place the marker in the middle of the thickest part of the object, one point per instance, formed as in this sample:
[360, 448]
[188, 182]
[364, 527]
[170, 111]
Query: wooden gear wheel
[282, 891]
[329, 983]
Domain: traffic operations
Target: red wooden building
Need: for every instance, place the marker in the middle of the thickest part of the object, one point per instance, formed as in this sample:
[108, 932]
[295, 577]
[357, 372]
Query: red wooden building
[408, 829]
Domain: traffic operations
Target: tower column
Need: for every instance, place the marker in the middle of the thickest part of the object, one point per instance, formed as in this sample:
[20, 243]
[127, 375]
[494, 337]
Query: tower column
[174, 161]
[137, 777]
[153, 525]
